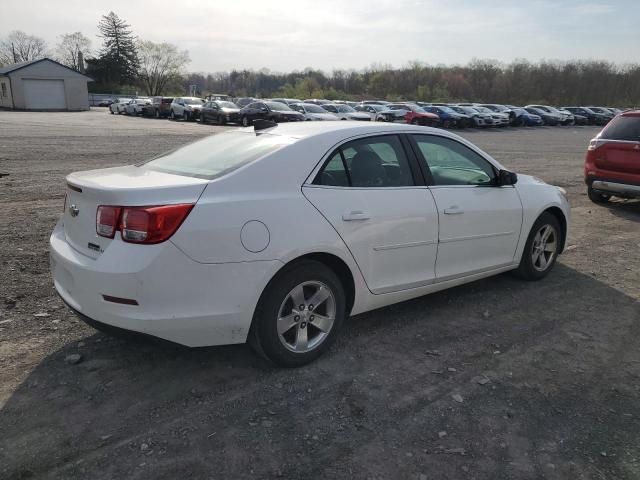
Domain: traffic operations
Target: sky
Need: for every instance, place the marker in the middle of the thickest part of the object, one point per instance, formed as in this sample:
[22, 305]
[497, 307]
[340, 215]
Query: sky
[286, 35]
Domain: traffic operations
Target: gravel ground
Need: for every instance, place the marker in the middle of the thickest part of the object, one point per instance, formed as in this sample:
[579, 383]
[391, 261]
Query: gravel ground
[498, 379]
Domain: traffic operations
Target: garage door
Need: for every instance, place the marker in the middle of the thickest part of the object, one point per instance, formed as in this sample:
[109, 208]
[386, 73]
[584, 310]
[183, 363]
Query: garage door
[44, 95]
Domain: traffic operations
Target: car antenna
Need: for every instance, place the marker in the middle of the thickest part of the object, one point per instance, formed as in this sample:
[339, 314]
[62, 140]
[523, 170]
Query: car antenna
[263, 125]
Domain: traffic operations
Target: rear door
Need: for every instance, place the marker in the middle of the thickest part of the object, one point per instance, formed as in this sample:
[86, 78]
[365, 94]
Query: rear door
[367, 191]
[480, 223]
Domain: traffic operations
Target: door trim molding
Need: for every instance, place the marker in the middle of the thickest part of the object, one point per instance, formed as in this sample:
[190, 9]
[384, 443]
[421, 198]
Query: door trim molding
[405, 245]
[475, 237]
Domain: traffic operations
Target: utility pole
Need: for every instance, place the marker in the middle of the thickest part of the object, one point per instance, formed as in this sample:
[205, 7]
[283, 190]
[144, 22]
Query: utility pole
[13, 50]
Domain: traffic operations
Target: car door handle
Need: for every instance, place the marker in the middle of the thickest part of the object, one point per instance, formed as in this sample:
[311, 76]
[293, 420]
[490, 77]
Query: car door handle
[453, 210]
[355, 216]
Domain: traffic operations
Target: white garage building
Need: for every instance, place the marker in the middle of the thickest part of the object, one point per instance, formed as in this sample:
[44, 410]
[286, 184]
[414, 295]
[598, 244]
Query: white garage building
[43, 84]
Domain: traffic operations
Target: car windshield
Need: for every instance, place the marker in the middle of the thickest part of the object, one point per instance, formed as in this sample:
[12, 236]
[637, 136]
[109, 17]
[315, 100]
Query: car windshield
[278, 107]
[227, 105]
[123, 100]
[447, 109]
[484, 110]
[519, 110]
[193, 101]
[311, 108]
[345, 109]
[218, 154]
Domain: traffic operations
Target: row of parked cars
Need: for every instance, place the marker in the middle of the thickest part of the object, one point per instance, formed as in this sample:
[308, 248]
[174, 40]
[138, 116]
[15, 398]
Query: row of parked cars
[221, 109]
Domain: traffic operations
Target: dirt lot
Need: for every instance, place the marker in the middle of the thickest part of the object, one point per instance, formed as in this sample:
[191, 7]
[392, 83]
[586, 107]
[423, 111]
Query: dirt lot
[562, 356]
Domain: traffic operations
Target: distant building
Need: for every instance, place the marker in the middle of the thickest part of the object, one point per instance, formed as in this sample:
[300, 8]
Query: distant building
[43, 84]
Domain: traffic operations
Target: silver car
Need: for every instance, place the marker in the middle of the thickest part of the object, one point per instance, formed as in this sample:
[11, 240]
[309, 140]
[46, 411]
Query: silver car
[119, 105]
[134, 107]
[345, 112]
[311, 111]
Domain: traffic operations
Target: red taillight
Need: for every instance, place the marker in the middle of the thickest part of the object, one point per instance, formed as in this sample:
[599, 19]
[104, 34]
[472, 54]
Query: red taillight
[595, 144]
[141, 224]
[107, 218]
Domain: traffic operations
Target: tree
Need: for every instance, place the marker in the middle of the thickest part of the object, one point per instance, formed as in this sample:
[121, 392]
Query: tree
[71, 44]
[118, 55]
[21, 47]
[160, 63]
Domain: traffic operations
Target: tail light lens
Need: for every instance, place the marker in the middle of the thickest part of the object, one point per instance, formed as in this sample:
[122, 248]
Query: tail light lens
[142, 224]
[107, 218]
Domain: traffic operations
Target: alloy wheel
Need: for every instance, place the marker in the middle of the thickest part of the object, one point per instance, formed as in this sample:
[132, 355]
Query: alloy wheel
[306, 316]
[544, 248]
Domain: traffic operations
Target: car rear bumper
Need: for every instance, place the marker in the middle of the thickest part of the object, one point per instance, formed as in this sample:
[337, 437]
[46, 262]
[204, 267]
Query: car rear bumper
[616, 188]
[176, 298]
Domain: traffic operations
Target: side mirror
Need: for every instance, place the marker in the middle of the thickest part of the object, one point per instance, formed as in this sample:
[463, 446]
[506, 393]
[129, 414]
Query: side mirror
[506, 177]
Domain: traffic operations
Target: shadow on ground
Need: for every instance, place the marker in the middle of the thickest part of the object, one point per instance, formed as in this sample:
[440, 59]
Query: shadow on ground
[561, 360]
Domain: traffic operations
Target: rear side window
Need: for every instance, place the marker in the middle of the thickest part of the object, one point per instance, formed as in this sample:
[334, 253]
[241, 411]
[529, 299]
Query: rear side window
[372, 162]
[622, 128]
[218, 154]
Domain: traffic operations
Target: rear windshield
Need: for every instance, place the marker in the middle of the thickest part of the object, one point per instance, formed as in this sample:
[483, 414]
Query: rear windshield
[622, 128]
[218, 154]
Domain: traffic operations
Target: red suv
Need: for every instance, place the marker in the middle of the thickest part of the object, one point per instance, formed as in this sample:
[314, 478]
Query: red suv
[612, 165]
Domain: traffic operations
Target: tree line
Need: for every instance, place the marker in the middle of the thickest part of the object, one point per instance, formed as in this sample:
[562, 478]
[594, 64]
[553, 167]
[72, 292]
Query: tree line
[519, 83]
[126, 64]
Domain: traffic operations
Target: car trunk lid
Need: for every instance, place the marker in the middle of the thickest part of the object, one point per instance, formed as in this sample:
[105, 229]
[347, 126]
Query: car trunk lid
[120, 186]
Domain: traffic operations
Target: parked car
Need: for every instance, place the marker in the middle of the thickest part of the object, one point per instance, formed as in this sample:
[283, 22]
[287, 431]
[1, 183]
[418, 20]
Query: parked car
[160, 107]
[480, 120]
[106, 102]
[371, 109]
[612, 163]
[499, 119]
[593, 118]
[244, 101]
[574, 118]
[186, 108]
[218, 96]
[274, 111]
[561, 118]
[119, 105]
[136, 106]
[496, 107]
[276, 239]
[220, 112]
[449, 118]
[548, 118]
[524, 118]
[345, 112]
[311, 111]
[409, 113]
[317, 101]
[286, 101]
[603, 111]
[375, 102]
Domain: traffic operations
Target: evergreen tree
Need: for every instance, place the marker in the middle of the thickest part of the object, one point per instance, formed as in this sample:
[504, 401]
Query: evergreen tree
[118, 57]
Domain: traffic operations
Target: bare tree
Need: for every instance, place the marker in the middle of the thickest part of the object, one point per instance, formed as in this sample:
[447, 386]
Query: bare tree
[70, 45]
[21, 47]
[159, 63]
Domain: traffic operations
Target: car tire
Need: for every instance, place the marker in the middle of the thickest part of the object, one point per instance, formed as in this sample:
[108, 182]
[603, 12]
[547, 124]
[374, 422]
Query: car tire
[278, 340]
[222, 120]
[157, 115]
[246, 122]
[111, 111]
[172, 115]
[186, 116]
[597, 197]
[541, 249]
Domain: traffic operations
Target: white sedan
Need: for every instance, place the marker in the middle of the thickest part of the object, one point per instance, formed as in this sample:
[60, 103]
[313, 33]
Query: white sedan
[119, 105]
[276, 236]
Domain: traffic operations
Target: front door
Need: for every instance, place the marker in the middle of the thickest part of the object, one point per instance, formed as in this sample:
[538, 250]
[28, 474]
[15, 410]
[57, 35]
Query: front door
[366, 190]
[480, 222]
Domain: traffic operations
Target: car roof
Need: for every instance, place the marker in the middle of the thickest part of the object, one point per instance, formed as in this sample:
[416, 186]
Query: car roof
[302, 130]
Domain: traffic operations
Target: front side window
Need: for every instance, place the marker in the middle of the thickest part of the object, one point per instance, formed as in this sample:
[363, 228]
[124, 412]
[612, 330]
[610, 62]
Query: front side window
[372, 162]
[452, 163]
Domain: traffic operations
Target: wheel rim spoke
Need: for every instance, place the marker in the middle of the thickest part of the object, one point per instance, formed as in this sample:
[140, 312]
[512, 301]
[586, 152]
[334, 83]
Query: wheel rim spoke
[286, 323]
[319, 297]
[297, 296]
[323, 323]
[302, 339]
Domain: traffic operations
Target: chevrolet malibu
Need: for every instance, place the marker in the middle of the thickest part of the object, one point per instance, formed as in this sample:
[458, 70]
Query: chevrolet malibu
[275, 235]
